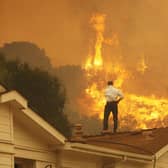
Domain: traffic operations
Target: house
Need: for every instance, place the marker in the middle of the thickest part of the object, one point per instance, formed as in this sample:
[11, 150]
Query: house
[27, 141]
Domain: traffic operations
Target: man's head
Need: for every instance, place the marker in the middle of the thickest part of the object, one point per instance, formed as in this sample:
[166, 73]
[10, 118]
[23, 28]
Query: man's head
[110, 83]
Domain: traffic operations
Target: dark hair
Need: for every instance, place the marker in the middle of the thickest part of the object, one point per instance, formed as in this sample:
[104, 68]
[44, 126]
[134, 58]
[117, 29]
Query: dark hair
[110, 83]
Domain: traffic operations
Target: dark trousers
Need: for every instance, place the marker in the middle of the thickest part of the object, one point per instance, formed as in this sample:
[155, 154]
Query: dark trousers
[110, 107]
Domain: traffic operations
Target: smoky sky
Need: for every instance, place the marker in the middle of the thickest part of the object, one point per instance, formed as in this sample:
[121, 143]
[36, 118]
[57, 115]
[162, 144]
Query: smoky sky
[62, 28]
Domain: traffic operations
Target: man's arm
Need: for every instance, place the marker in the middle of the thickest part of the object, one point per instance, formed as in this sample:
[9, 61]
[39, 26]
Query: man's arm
[120, 96]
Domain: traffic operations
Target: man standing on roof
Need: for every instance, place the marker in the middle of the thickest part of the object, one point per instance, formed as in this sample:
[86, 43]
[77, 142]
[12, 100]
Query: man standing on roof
[113, 97]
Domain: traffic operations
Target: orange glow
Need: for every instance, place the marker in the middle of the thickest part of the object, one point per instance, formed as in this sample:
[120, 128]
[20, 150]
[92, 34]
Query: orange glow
[114, 41]
[135, 111]
[97, 22]
[142, 67]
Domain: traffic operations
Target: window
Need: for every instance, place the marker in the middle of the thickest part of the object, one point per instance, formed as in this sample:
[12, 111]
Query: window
[18, 165]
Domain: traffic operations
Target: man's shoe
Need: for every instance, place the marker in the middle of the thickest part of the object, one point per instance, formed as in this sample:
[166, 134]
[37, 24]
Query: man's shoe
[114, 131]
[105, 132]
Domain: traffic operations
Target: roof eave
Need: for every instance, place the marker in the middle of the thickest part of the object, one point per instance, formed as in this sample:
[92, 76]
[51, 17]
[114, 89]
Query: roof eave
[20, 102]
[15, 97]
[101, 151]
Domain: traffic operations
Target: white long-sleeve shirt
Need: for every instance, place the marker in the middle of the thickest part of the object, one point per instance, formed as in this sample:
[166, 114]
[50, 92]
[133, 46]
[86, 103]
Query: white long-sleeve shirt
[113, 94]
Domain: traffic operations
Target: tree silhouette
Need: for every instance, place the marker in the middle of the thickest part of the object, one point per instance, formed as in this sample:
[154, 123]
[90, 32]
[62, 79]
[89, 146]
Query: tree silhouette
[45, 94]
[27, 52]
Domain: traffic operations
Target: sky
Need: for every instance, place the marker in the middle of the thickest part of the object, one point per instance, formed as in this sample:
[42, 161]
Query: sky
[58, 27]
[62, 28]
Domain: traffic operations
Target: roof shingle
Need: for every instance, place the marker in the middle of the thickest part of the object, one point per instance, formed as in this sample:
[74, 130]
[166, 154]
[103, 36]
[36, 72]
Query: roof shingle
[141, 142]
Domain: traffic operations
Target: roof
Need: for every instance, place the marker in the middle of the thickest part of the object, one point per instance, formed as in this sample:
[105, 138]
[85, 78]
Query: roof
[147, 142]
[140, 145]
[30, 116]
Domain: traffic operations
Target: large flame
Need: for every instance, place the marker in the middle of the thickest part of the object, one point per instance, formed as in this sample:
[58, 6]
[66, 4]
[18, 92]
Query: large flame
[135, 111]
[98, 25]
[141, 66]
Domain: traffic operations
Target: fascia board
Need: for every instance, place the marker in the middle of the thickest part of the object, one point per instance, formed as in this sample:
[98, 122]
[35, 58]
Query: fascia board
[13, 96]
[105, 151]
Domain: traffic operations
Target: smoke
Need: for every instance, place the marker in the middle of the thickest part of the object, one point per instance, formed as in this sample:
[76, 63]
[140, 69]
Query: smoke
[27, 52]
[63, 30]
[141, 27]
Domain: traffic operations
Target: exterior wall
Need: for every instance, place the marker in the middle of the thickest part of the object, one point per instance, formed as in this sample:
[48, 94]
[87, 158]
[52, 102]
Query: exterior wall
[79, 160]
[29, 145]
[6, 123]
[6, 160]
[163, 161]
[6, 137]
[25, 137]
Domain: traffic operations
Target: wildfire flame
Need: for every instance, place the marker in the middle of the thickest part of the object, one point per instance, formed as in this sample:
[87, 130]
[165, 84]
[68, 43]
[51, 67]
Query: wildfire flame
[135, 111]
[142, 67]
[98, 25]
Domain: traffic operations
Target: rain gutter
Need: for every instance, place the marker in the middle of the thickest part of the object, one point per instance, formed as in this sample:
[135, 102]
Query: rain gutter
[101, 151]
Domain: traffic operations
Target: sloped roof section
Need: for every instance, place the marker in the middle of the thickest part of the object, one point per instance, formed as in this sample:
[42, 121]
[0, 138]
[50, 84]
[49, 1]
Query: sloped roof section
[29, 116]
[147, 142]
